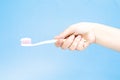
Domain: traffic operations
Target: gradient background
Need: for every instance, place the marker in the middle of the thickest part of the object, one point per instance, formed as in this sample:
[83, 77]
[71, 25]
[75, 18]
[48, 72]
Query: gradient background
[44, 19]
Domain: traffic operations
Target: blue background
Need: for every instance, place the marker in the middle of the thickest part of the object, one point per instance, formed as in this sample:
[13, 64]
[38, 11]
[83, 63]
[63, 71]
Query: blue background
[44, 19]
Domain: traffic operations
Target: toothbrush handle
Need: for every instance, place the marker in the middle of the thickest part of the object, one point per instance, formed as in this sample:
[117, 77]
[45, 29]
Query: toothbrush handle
[47, 41]
[41, 43]
[44, 42]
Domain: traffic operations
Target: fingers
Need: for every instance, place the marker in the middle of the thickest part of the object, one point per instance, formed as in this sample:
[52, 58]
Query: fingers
[86, 44]
[65, 43]
[59, 42]
[68, 42]
[82, 45]
[75, 43]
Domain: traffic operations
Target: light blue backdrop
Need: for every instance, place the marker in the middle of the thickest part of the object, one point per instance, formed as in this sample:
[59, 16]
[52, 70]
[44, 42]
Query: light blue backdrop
[44, 19]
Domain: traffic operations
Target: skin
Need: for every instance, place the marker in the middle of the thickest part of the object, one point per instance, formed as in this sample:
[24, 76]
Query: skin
[79, 36]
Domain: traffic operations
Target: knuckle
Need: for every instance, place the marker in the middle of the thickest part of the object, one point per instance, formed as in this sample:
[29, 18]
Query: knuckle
[80, 48]
[73, 45]
[71, 49]
[63, 48]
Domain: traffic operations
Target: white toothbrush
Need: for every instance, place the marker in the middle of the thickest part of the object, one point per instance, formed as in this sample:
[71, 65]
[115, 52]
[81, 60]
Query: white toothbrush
[28, 42]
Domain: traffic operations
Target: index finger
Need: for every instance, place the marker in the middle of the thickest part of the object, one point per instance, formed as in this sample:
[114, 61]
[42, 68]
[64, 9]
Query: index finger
[69, 31]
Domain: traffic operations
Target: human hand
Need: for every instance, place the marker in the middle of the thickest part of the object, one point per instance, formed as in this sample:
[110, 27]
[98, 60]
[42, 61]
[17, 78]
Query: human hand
[76, 37]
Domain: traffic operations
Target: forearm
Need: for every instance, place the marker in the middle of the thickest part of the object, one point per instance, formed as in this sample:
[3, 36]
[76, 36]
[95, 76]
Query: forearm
[107, 36]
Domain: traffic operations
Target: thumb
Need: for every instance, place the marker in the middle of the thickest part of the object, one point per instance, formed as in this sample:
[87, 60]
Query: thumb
[69, 31]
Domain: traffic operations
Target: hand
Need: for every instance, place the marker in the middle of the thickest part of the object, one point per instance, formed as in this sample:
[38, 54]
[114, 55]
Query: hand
[77, 36]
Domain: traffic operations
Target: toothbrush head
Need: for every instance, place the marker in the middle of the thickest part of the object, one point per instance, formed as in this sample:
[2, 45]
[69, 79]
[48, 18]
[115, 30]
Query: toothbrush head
[26, 42]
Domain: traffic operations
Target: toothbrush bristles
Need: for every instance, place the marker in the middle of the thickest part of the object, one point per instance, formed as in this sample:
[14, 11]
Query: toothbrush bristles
[26, 41]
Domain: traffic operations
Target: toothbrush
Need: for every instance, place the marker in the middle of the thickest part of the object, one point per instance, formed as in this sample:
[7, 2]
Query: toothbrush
[28, 42]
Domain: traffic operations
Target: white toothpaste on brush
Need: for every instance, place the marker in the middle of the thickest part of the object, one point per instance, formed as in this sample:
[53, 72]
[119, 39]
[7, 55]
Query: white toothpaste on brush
[28, 42]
